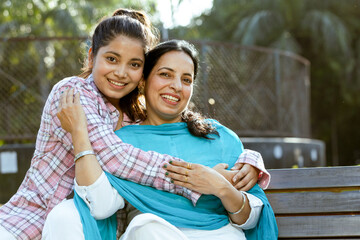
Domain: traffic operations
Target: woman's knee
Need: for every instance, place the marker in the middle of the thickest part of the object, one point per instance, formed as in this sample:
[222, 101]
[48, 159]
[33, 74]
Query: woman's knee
[149, 226]
[63, 222]
[64, 213]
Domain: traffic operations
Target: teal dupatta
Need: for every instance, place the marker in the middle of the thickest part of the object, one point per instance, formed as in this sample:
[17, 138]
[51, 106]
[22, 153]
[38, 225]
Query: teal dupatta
[209, 213]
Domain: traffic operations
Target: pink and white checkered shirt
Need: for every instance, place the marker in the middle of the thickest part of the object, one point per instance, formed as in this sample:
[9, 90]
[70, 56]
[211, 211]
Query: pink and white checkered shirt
[50, 178]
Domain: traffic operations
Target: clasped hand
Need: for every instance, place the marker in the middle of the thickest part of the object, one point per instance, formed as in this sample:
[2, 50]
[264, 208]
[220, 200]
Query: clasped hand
[208, 180]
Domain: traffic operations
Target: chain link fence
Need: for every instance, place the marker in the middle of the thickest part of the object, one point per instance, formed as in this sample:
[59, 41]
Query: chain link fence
[254, 91]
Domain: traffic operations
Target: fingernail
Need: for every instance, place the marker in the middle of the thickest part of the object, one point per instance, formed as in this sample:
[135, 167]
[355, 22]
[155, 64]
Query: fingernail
[234, 179]
[172, 181]
[170, 161]
[62, 91]
[166, 173]
[165, 166]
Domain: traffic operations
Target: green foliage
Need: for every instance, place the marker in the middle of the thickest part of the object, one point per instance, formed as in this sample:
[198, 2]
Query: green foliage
[29, 69]
[59, 17]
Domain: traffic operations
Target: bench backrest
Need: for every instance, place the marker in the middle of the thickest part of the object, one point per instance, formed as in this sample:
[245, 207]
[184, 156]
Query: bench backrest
[316, 202]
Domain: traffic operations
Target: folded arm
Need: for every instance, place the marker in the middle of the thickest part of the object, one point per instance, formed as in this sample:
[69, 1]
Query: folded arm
[113, 155]
[208, 180]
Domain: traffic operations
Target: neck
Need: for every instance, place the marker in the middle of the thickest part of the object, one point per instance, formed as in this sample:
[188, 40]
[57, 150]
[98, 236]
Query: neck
[159, 121]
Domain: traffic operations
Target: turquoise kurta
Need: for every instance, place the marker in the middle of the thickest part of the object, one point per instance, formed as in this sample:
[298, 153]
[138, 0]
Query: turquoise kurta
[175, 140]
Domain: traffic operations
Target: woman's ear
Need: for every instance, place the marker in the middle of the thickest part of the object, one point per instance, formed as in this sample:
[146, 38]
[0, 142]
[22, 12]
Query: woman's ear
[90, 58]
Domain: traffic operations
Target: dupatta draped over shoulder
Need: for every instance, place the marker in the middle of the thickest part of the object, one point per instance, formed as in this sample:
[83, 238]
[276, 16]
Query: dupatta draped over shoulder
[175, 140]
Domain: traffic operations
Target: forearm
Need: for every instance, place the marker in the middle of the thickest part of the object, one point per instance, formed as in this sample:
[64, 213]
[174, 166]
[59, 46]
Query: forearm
[125, 161]
[87, 168]
[233, 201]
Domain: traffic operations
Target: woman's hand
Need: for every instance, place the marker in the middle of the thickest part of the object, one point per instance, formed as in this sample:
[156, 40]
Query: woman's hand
[197, 177]
[210, 181]
[70, 112]
[246, 176]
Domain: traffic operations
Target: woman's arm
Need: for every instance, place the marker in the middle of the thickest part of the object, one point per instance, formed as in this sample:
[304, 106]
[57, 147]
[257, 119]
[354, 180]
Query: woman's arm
[208, 180]
[116, 157]
[87, 168]
[91, 184]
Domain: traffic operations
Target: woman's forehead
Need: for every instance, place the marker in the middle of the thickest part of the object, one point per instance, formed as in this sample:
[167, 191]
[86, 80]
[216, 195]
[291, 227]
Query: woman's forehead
[176, 60]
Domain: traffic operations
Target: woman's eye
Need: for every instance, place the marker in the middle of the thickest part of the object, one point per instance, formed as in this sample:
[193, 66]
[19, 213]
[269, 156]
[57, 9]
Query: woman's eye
[136, 65]
[164, 74]
[111, 59]
[187, 80]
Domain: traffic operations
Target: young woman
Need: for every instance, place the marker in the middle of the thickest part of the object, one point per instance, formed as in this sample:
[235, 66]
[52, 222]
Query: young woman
[170, 128]
[116, 62]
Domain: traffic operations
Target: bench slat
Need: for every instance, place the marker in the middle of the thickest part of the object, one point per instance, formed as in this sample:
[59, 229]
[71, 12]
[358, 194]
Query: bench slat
[319, 226]
[315, 202]
[348, 176]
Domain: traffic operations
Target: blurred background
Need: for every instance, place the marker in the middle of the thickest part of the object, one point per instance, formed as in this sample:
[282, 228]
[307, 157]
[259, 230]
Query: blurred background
[284, 75]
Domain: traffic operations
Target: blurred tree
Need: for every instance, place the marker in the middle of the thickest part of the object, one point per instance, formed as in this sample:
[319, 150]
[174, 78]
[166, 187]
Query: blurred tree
[32, 63]
[326, 32]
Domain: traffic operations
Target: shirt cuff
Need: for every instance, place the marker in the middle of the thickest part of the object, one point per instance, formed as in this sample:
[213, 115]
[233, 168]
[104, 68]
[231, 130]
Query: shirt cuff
[255, 159]
[256, 206]
[102, 199]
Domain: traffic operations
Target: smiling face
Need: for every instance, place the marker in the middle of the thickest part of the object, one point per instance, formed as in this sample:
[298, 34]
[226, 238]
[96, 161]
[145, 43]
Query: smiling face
[117, 67]
[169, 88]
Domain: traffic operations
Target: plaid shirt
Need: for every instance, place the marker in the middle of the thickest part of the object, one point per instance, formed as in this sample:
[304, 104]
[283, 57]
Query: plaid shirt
[50, 178]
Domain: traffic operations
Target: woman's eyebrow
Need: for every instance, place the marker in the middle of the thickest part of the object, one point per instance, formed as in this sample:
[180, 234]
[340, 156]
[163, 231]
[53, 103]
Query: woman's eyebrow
[119, 56]
[166, 68]
[115, 53]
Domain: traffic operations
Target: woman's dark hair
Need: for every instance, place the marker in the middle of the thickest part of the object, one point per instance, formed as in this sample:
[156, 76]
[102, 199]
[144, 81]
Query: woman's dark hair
[195, 121]
[129, 23]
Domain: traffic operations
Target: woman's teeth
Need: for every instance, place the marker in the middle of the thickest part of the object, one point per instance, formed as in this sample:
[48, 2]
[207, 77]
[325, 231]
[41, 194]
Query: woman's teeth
[116, 83]
[171, 98]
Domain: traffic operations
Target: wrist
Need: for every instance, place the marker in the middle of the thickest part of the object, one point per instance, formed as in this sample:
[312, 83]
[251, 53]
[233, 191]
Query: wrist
[80, 135]
[226, 191]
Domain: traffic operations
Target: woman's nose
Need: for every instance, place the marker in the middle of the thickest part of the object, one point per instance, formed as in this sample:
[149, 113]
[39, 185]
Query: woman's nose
[176, 84]
[120, 72]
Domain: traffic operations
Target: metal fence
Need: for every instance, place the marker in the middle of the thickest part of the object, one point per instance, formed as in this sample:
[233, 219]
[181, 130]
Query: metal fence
[254, 91]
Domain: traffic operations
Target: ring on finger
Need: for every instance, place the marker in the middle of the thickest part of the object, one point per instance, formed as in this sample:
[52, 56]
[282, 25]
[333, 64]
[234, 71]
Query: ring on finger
[186, 173]
[188, 166]
[186, 179]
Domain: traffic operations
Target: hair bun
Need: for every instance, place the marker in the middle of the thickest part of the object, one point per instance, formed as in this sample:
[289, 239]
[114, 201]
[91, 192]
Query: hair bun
[138, 15]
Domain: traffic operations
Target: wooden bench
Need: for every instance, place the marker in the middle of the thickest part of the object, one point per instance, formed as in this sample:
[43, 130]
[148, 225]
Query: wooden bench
[316, 203]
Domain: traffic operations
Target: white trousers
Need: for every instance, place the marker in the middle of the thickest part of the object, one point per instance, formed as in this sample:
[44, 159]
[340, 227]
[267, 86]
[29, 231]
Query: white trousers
[63, 223]
[5, 235]
[150, 226]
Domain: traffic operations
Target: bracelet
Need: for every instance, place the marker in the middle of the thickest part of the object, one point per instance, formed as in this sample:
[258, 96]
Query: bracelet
[83, 153]
[242, 206]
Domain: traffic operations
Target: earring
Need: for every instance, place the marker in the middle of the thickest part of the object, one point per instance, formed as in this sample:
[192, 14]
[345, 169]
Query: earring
[141, 90]
[141, 87]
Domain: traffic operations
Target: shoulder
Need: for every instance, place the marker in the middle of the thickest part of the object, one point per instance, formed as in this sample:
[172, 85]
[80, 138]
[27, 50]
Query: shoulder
[86, 87]
[76, 82]
[228, 139]
[72, 81]
[222, 130]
